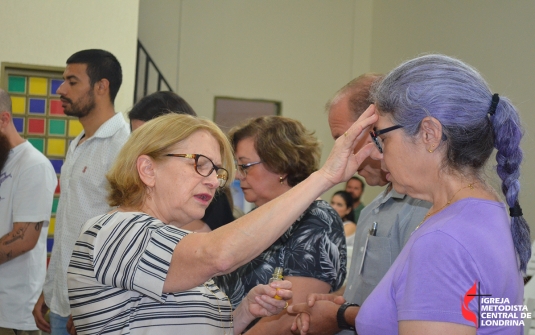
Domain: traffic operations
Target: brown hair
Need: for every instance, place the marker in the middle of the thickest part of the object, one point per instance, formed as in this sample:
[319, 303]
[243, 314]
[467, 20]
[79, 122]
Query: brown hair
[284, 145]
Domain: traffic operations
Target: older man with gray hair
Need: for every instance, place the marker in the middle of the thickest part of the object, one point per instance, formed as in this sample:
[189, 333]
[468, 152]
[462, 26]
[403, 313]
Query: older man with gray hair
[383, 228]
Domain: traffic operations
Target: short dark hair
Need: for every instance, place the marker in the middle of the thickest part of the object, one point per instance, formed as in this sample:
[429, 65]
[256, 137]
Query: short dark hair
[100, 64]
[159, 103]
[361, 181]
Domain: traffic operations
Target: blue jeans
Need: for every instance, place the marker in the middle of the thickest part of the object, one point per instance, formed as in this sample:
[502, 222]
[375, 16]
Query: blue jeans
[58, 324]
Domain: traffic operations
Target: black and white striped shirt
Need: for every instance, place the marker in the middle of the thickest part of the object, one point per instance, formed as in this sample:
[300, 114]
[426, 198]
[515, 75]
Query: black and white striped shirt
[116, 276]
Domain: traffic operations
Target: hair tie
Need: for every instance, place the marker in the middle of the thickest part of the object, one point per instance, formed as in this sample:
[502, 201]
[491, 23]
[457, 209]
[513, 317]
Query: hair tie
[494, 104]
[515, 210]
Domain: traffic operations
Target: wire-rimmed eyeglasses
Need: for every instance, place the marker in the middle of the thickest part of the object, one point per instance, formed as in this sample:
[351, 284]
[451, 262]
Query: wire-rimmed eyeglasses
[242, 168]
[204, 166]
[376, 133]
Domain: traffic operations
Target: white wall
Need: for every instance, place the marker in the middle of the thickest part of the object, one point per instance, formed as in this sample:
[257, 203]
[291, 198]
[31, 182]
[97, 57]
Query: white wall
[159, 32]
[300, 52]
[297, 52]
[494, 36]
[48, 32]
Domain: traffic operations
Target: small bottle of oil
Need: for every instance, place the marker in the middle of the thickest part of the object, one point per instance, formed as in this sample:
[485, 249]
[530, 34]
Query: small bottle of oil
[277, 275]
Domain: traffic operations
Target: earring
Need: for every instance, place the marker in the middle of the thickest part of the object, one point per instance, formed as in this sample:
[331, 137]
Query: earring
[281, 180]
[430, 150]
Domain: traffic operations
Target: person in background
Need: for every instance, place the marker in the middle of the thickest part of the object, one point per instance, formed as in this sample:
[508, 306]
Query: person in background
[342, 202]
[374, 251]
[355, 187]
[92, 79]
[27, 184]
[219, 212]
[274, 154]
[135, 270]
[157, 104]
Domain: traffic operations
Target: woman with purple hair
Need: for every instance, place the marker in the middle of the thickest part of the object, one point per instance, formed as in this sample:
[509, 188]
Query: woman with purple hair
[438, 125]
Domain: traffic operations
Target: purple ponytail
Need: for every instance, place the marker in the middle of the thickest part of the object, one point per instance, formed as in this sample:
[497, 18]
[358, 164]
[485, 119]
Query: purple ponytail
[507, 135]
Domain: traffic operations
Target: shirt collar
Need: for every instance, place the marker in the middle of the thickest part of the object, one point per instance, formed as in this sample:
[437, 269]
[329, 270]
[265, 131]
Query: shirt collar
[391, 194]
[108, 128]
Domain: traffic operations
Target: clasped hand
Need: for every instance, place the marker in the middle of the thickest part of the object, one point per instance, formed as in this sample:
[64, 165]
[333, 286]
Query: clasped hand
[317, 316]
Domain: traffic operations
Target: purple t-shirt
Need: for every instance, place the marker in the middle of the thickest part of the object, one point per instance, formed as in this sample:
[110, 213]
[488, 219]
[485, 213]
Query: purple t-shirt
[465, 249]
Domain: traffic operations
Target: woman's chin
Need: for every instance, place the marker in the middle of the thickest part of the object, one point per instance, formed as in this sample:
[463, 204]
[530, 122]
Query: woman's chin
[398, 188]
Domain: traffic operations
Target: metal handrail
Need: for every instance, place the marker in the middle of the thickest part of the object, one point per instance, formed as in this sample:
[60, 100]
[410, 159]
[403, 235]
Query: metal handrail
[148, 63]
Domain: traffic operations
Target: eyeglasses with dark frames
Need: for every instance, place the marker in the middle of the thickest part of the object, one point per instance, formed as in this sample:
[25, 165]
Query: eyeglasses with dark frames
[376, 133]
[204, 166]
[242, 168]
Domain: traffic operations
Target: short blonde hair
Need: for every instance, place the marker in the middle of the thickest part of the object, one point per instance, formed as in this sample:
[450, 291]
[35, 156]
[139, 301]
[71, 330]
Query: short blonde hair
[284, 145]
[154, 140]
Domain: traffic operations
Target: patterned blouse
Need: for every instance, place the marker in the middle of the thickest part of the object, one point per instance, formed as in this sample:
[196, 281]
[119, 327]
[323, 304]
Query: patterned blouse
[314, 246]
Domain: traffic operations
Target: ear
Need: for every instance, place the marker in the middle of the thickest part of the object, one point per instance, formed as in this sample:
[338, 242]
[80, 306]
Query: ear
[145, 168]
[102, 87]
[5, 119]
[431, 132]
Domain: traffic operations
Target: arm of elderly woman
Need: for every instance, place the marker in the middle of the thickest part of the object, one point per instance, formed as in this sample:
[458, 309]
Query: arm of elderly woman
[201, 256]
[259, 302]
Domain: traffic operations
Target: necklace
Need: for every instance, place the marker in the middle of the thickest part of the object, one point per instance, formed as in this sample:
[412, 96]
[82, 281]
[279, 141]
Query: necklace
[231, 323]
[471, 186]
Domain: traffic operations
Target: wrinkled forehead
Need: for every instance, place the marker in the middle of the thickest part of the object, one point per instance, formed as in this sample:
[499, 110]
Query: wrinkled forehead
[340, 120]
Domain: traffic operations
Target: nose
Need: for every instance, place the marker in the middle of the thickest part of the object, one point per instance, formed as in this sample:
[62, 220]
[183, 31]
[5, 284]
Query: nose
[212, 180]
[239, 175]
[61, 89]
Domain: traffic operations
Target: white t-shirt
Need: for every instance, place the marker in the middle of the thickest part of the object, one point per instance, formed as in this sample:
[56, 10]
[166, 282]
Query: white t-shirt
[27, 185]
[83, 196]
[116, 279]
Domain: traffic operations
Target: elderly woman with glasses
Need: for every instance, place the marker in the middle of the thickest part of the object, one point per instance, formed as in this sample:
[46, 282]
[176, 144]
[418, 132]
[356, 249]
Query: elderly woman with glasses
[438, 125]
[134, 270]
[274, 154]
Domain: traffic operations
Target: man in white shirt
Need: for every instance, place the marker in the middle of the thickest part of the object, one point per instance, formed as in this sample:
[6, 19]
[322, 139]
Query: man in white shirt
[27, 184]
[91, 81]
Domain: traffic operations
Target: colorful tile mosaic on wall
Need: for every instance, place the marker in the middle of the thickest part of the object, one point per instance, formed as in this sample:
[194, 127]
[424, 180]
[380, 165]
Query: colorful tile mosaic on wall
[38, 117]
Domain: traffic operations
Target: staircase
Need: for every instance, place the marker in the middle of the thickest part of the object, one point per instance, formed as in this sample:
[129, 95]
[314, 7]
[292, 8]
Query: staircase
[149, 78]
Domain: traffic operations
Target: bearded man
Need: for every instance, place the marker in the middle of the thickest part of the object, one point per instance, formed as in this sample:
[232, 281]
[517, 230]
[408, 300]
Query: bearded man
[91, 81]
[27, 184]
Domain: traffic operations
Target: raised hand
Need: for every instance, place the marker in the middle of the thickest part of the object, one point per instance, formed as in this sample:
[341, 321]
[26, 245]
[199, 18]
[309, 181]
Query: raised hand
[342, 162]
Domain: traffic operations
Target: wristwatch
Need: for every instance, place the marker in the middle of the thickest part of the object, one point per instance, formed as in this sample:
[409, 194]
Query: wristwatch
[340, 317]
